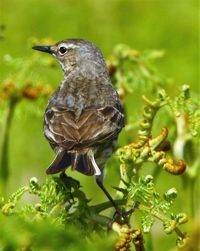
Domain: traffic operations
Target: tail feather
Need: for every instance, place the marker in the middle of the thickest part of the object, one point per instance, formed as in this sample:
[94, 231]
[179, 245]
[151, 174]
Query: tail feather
[60, 163]
[84, 162]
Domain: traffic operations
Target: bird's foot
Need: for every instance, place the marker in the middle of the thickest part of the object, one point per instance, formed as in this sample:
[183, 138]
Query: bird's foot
[123, 217]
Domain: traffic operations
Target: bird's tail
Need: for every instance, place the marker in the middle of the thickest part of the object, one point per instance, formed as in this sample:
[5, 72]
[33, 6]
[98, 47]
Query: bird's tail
[85, 163]
[82, 161]
[60, 163]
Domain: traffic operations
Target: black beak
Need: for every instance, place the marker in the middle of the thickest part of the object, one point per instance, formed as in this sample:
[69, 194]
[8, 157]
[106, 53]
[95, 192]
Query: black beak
[43, 48]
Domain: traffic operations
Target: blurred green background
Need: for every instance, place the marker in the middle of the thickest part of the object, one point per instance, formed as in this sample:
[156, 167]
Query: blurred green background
[151, 24]
[170, 25]
[143, 24]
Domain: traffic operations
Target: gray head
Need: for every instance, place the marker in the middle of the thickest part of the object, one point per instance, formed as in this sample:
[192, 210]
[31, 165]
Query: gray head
[75, 54]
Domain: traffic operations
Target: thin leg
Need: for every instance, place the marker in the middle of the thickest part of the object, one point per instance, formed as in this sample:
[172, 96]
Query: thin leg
[132, 210]
[100, 184]
[119, 211]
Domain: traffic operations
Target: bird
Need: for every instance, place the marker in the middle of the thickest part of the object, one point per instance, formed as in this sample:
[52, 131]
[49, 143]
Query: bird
[84, 115]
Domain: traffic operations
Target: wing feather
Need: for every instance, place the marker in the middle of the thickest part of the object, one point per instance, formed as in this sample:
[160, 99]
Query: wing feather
[93, 126]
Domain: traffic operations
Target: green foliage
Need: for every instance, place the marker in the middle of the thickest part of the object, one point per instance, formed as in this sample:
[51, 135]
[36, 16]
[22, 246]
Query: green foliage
[63, 209]
[161, 24]
[131, 69]
[61, 215]
[60, 211]
[16, 89]
[43, 235]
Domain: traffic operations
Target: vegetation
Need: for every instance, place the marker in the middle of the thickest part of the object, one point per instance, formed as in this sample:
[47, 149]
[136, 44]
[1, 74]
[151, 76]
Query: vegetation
[154, 173]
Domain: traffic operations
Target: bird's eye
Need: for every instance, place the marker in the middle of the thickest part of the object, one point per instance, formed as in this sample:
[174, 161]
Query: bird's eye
[62, 49]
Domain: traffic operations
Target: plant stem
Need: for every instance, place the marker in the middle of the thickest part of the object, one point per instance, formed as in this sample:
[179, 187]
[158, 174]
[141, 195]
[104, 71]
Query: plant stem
[154, 213]
[4, 163]
[139, 242]
[149, 242]
[55, 209]
[105, 205]
[156, 172]
[193, 197]
[161, 217]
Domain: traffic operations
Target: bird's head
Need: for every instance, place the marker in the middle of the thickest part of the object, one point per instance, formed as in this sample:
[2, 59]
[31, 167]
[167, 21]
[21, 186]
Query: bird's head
[75, 53]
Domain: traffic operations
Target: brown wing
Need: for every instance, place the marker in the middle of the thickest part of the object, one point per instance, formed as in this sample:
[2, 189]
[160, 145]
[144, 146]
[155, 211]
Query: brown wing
[93, 126]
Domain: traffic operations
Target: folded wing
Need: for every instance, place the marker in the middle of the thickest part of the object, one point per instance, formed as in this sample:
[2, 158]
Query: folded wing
[94, 126]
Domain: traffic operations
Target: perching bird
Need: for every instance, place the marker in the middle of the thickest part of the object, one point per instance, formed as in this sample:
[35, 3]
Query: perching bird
[84, 115]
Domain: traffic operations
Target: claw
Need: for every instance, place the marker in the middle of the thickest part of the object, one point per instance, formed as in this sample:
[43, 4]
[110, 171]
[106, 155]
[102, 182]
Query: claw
[123, 217]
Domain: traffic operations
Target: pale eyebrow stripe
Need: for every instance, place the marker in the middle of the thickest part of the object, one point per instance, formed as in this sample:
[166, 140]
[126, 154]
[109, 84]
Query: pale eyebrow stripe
[68, 46]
